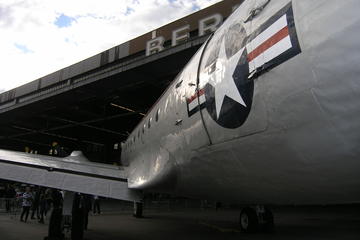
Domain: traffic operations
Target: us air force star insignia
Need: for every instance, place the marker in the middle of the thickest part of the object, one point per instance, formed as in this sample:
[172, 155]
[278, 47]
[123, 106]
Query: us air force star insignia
[222, 78]
[234, 59]
[228, 91]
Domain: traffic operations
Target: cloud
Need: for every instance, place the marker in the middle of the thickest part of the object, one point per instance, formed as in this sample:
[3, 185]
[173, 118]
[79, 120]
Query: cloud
[39, 37]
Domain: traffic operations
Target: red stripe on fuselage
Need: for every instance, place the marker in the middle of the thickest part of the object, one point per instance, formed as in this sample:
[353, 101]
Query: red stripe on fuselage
[193, 97]
[268, 43]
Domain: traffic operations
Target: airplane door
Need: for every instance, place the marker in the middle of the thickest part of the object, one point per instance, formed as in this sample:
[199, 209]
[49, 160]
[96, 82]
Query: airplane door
[187, 110]
[233, 105]
[184, 111]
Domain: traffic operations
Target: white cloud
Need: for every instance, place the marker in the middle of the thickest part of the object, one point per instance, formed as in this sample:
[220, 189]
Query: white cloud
[31, 45]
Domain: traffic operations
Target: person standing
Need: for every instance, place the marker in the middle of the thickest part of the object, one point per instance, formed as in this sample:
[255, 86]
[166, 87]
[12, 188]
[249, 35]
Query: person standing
[96, 208]
[35, 205]
[42, 205]
[55, 230]
[77, 222]
[86, 204]
[48, 198]
[27, 199]
[10, 197]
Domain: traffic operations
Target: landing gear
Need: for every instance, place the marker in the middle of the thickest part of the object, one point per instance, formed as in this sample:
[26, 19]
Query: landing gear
[249, 222]
[254, 219]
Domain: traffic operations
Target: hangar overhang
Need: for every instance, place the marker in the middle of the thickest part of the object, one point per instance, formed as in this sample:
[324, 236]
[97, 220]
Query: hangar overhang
[93, 105]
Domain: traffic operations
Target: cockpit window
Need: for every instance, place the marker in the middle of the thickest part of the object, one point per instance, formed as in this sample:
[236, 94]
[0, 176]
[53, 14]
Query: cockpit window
[234, 40]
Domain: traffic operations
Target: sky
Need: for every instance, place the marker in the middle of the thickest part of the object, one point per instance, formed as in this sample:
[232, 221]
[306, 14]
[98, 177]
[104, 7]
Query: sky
[38, 37]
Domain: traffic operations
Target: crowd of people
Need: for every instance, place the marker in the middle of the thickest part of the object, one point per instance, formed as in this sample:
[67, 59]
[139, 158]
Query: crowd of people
[36, 202]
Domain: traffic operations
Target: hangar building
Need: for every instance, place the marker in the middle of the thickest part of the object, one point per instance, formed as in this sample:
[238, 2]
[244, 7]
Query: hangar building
[92, 105]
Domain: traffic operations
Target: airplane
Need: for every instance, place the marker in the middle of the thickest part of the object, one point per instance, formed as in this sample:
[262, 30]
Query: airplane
[266, 112]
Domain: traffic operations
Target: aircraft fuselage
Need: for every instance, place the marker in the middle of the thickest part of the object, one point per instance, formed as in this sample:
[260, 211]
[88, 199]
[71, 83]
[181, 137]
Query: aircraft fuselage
[267, 111]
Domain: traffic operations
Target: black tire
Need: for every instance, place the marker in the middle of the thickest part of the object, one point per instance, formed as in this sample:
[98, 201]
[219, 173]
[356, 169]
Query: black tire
[248, 220]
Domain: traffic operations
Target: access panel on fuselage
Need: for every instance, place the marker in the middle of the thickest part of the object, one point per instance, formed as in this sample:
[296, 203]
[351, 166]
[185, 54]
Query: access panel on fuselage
[187, 108]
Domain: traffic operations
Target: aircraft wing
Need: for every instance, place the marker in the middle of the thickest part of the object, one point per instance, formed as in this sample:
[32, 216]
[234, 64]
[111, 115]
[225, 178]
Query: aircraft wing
[74, 173]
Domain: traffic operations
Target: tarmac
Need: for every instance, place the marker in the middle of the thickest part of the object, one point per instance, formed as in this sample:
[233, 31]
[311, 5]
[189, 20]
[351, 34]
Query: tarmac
[117, 222]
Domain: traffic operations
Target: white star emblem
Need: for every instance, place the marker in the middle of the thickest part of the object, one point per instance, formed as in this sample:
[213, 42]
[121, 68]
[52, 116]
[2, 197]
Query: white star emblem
[222, 80]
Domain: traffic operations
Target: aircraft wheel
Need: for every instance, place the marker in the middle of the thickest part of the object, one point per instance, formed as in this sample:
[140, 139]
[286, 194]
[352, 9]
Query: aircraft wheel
[248, 220]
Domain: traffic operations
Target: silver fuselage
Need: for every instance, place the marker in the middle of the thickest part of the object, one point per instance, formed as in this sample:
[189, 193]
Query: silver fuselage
[300, 143]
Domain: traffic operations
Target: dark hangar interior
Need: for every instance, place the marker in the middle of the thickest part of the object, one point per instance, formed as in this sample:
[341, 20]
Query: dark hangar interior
[94, 117]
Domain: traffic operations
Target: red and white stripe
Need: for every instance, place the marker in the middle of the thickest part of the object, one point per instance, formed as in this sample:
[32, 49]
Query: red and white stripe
[269, 44]
[193, 102]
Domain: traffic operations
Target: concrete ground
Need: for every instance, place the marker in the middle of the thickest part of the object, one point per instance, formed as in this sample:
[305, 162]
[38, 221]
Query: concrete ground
[117, 223]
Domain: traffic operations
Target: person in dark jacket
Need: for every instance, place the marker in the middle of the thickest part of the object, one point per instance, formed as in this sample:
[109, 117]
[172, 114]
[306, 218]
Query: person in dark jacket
[36, 203]
[55, 228]
[86, 202]
[10, 195]
[48, 197]
[96, 209]
[42, 205]
[77, 224]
